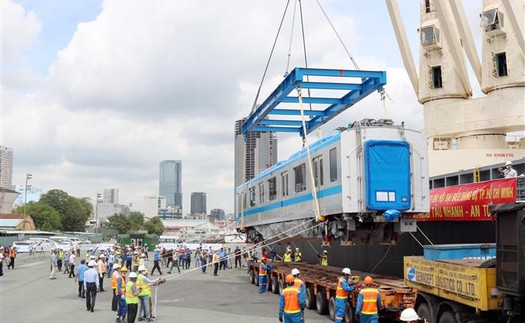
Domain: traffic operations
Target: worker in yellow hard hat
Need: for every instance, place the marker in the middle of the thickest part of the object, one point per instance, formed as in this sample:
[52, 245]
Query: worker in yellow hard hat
[368, 302]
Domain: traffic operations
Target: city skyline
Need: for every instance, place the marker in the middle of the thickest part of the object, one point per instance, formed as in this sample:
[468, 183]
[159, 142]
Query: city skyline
[93, 98]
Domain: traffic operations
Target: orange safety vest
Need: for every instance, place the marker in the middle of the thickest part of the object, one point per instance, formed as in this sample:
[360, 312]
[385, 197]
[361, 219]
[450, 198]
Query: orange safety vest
[262, 272]
[291, 300]
[340, 292]
[369, 301]
[12, 253]
[122, 287]
[114, 279]
[103, 267]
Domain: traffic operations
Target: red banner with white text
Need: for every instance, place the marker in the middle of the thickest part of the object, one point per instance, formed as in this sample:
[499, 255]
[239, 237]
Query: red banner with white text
[469, 202]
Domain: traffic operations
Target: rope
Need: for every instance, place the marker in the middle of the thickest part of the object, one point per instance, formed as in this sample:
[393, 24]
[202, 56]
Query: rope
[291, 40]
[339, 37]
[382, 258]
[270, 57]
[424, 235]
[305, 138]
[416, 239]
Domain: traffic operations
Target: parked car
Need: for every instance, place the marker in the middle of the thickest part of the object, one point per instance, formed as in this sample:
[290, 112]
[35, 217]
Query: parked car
[24, 246]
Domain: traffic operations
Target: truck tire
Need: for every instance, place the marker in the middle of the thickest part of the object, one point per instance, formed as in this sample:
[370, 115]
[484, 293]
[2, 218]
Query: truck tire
[256, 275]
[268, 283]
[349, 313]
[423, 311]
[331, 308]
[281, 286]
[321, 302]
[447, 317]
[310, 299]
[252, 276]
[275, 284]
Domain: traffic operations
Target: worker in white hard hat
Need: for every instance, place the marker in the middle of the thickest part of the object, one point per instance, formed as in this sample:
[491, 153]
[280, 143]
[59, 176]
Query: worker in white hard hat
[91, 284]
[300, 285]
[409, 315]
[115, 275]
[101, 263]
[144, 285]
[508, 171]
[132, 297]
[344, 287]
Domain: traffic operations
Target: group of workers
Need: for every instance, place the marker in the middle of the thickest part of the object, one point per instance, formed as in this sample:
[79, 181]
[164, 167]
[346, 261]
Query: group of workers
[293, 296]
[8, 253]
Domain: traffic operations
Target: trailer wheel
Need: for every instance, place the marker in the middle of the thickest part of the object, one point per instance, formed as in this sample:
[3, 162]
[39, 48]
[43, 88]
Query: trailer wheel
[268, 283]
[252, 276]
[310, 298]
[447, 317]
[349, 313]
[423, 311]
[275, 284]
[256, 275]
[322, 302]
[331, 308]
[281, 286]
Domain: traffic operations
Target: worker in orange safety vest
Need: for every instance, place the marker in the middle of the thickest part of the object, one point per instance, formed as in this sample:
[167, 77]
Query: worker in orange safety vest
[292, 302]
[368, 303]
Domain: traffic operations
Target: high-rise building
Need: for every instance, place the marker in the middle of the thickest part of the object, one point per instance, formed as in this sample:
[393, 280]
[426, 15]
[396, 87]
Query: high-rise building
[170, 182]
[110, 195]
[6, 167]
[198, 203]
[253, 153]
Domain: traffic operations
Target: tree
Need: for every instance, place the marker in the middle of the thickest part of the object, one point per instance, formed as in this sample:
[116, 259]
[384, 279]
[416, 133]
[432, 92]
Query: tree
[137, 220]
[46, 218]
[154, 226]
[74, 212]
[119, 222]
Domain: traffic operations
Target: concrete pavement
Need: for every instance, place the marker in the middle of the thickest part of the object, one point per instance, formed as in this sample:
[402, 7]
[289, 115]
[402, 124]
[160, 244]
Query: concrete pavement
[28, 295]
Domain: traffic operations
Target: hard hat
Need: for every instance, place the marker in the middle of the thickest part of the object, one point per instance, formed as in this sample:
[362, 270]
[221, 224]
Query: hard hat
[289, 279]
[264, 259]
[409, 314]
[124, 269]
[116, 266]
[347, 271]
[92, 257]
[143, 255]
[141, 268]
[92, 263]
[508, 163]
[325, 251]
[132, 275]
[102, 255]
[295, 271]
[369, 280]
[296, 249]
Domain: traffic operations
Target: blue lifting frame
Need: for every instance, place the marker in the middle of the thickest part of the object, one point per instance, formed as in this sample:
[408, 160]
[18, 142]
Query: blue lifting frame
[266, 116]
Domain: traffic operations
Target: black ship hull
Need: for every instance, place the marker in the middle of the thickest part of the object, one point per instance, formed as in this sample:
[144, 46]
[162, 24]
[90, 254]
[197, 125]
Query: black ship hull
[388, 259]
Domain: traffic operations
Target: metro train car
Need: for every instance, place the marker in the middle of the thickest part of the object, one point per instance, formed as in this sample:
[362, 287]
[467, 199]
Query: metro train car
[369, 180]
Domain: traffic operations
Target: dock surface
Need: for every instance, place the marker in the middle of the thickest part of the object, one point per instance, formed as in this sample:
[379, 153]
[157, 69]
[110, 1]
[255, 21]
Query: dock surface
[28, 295]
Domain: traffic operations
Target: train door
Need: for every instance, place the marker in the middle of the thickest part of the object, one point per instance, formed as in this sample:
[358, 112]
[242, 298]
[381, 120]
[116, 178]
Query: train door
[317, 165]
[284, 193]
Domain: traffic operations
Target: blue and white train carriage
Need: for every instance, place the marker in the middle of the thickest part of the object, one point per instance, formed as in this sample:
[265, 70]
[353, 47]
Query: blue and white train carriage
[369, 179]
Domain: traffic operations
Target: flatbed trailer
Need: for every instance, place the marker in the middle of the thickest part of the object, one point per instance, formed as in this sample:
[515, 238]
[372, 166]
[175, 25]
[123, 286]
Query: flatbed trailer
[321, 283]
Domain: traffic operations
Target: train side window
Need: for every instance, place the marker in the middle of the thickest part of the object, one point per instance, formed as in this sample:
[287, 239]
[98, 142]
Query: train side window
[300, 178]
[261, 193]
[251, 195]
[272, 188]
[318, 171]
[284, 182]
[333, 165]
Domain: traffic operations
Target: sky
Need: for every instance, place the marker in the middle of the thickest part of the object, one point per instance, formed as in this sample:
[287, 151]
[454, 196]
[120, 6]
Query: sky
[95, 93]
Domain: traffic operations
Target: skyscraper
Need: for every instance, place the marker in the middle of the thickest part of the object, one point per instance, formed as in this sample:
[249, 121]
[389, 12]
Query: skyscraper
[170, 182]
[253, 153]
[110, 195]
[6, 167]
[198, 203]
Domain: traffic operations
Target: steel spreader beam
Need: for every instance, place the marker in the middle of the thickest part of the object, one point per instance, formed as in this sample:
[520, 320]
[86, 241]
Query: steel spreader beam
[344, 89]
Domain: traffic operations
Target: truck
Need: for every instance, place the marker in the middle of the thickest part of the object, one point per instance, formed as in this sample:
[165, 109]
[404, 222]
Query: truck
[469, 283]
[321, 283]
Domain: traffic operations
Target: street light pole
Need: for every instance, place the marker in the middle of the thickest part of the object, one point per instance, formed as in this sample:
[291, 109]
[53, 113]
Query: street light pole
[28, 177]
